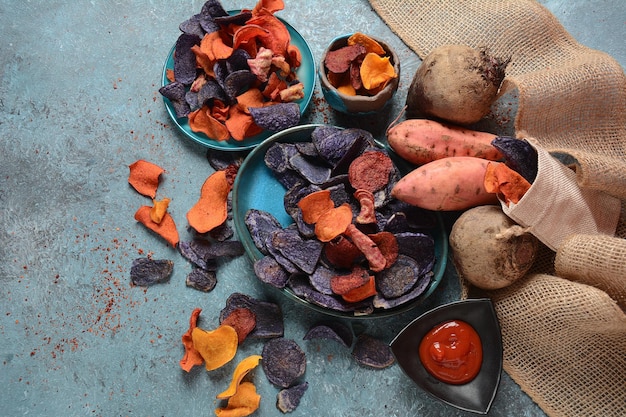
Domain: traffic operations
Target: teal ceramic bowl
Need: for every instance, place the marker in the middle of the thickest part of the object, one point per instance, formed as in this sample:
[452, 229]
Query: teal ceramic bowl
[305, 73]
[256, 187]
[359, 104]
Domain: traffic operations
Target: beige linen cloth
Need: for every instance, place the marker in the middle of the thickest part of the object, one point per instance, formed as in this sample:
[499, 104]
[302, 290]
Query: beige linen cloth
[563, 325]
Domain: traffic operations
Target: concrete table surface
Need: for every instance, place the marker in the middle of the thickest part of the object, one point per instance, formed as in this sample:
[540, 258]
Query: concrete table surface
[79, 102]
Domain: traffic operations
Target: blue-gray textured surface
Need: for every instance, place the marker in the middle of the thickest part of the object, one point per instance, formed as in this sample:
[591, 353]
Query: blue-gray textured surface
[78, 104]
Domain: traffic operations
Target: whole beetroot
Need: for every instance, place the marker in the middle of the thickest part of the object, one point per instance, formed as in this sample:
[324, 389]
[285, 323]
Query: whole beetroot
[456, 83]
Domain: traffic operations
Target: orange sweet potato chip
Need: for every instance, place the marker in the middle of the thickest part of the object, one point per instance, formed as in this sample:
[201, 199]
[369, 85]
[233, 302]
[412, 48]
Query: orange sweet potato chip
[166, 228]
[245, 402]
[192, 357]
[277, 36]
[144, 177]
[268, 6]
[217, 347]
[376, 71]
[333, 222]
[202, 121]
[361, 293]
[242, 369]
[211, 210]
[370, 44]
[507, 183]
[240, 124]
[314, 205]
[213, 45]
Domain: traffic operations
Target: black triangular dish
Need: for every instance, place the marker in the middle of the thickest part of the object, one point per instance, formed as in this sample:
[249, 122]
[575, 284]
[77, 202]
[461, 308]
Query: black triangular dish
[477, 395]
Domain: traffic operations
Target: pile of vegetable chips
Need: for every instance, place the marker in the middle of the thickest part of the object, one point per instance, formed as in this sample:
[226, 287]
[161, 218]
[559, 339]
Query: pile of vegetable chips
[234, 75]
[351, 247]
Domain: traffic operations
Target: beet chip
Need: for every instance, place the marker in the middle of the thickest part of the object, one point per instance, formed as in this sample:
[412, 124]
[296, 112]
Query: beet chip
[283, 361]
[268, 270]
[339, 60]
[185, 59]
[372, 352]
[276, 117]
[333, 330]
[243, 320]
[269, 318]
[201, 279]
[288, 399]
[146, 271]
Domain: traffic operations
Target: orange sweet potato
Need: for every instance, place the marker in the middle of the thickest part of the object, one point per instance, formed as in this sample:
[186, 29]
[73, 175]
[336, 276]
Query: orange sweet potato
[420, 141]
[448, 184]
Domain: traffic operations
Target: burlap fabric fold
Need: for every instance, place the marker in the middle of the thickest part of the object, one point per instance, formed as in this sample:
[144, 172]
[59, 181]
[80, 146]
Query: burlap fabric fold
[564, 332]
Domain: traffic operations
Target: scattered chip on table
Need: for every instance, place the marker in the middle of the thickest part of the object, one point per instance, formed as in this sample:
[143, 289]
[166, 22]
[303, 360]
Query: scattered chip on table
[372, 352]
[331, 330]
[283, 361]
[243, 320]
[288, 399]
[269, 317]
[147, 271]
[201, 279]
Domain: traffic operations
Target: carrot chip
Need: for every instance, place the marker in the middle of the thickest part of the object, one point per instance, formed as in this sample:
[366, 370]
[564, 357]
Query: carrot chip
[192, 357]
[144, 177]
[211, 210]
[159, 208]
[166, 228]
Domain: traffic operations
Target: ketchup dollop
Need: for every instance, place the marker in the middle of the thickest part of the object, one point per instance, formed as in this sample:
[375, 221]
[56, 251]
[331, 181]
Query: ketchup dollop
[452, 352]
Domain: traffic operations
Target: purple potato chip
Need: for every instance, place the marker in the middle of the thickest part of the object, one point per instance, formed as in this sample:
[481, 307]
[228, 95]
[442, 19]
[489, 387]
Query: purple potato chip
[277, 156]
[147, 271]
[306, 230]
[304, 253]
[238, 19]
[339, 194]
[192, 26]
[261, 225]
[361, 144]
[420, 287]
[276, 117]
[209, 92]
[332, 330]
[396, 223]
[191, 98]
[278, 256]
[201, 279]
[191, 252]
[224, 231]
[220, 160]
[176, 94]
[372, 352]
[320, 279]
[269, 317]
[200, 251]
[288, 399]
[399, 278]
[185, 59]
[420, 247]
[283, 361]
[238, 60]
[237, 82]
[213, 8]
[307, 149]
[313, 172]
[269, 271]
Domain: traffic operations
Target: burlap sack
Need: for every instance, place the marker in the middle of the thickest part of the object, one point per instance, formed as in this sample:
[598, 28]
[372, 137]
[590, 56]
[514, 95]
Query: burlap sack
[564, 337]
[556, 207]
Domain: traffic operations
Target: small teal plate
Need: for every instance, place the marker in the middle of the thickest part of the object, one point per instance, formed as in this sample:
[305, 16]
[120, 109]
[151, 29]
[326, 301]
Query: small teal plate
[478, 394]
[256, 188]
[305, 73]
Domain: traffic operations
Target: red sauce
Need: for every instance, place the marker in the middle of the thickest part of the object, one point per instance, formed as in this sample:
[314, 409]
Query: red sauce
[452, 352]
